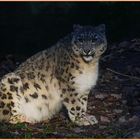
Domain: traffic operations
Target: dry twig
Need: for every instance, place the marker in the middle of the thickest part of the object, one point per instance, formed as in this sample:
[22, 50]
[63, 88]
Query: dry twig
[129, 76]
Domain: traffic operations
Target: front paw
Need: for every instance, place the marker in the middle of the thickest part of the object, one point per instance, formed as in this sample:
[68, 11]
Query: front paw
[86, 120]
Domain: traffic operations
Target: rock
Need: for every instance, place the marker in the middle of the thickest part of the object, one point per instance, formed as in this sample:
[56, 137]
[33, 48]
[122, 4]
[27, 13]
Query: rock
[110, 99]
[104, 119]
[101, 96]
[136, 135]
[117, 96]
[78, 130]
[124, 102]
[122, 119]
[124, 44]
[117, 111]
[102, 126]
[134, 119]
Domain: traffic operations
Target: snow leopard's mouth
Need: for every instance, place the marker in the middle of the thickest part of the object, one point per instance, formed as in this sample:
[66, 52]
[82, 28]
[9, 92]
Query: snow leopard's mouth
[88, 58]
[87, 55]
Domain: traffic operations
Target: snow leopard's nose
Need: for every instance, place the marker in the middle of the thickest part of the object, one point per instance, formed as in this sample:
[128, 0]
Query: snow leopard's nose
[87, 52]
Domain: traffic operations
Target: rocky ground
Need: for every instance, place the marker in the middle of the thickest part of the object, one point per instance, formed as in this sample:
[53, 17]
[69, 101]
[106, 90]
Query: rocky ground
[115, 100]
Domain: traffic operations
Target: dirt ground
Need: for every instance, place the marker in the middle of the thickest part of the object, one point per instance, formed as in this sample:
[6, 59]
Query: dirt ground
[115, 100]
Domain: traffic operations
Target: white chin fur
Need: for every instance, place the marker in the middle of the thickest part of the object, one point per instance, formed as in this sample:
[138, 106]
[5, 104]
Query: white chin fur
[88, 58]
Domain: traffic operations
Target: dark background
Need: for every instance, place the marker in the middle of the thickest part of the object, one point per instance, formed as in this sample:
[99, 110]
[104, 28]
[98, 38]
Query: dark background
[28, 27]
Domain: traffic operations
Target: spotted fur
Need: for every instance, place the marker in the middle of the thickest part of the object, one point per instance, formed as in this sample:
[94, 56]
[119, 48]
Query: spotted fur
[61, 75]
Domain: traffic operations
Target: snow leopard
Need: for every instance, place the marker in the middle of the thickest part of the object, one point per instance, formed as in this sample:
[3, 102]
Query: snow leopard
[61, 75]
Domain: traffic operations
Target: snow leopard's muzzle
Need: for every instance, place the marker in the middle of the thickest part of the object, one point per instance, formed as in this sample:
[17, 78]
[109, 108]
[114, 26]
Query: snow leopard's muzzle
[88, 54]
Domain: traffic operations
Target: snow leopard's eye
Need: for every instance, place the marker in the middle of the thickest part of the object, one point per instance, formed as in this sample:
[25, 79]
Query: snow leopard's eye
[80, 40]
[94, 38]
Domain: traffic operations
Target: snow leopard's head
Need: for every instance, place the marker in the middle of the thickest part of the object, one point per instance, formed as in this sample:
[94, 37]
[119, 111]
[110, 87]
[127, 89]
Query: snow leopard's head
[89, 42]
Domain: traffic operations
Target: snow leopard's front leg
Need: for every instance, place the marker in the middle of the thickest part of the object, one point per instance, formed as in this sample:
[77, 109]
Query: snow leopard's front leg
[76, 105]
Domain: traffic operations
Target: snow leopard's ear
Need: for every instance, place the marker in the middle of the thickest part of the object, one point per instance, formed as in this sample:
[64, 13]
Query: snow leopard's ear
[77, 27]
[101, 28]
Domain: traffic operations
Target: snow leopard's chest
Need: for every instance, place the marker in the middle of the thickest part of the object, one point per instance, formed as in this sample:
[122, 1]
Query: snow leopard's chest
[87, 79]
